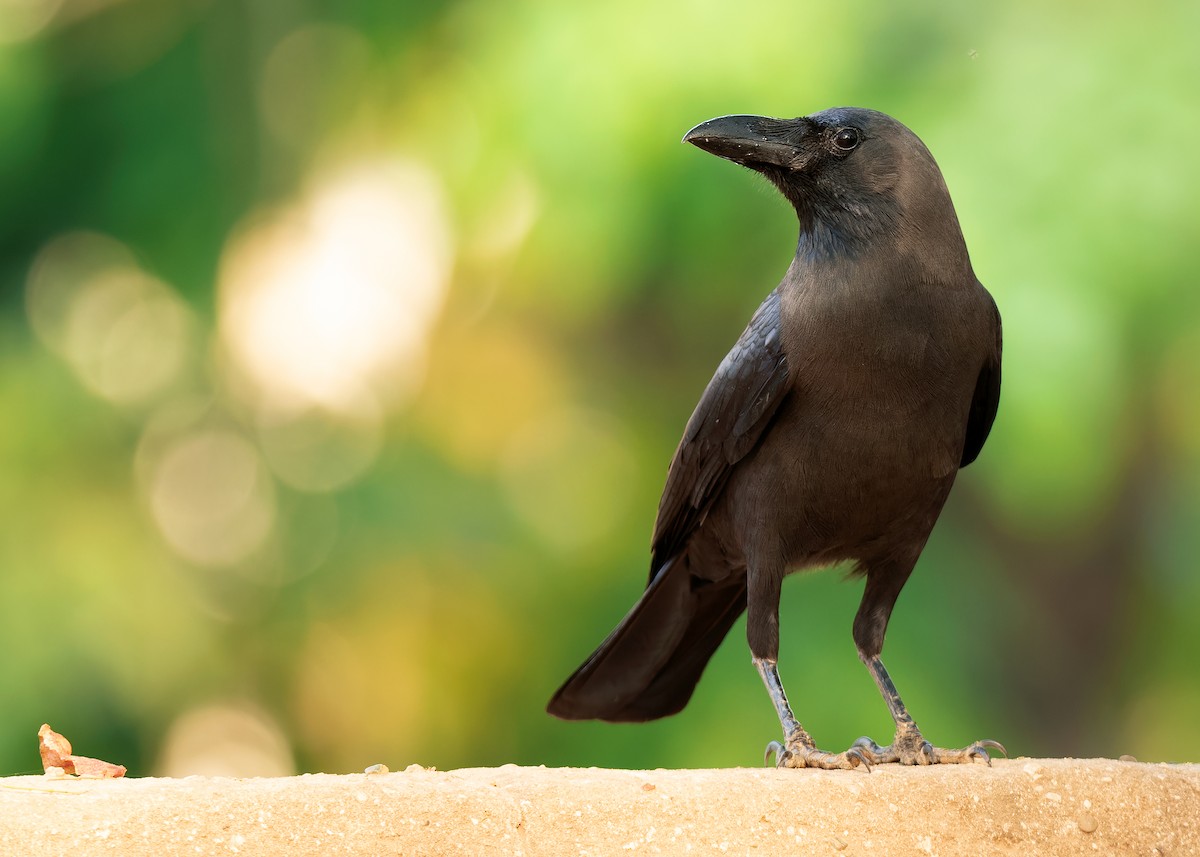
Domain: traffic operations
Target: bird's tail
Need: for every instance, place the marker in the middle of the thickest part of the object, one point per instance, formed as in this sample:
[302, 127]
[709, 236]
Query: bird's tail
[651, 662]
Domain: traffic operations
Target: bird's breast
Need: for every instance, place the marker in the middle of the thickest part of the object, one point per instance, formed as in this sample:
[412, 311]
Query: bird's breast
[882, 377]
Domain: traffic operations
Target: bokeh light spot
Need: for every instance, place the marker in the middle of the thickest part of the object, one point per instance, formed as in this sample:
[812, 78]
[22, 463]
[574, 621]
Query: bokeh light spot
[315, 449]
[212, 497]
[126, 335]
[226, 740]
[339, 293]
[307, 79]
[24, 19]
[509, 219]
[61, 269]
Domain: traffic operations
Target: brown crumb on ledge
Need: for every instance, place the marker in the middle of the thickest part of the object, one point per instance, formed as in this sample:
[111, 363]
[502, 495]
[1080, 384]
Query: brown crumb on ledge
[57, 759]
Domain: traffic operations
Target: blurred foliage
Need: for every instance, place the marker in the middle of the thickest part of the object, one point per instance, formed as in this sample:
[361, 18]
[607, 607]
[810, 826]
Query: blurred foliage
[343, 350]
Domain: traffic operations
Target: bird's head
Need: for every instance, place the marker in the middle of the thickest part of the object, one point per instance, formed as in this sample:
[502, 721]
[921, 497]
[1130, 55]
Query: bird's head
[851, 174]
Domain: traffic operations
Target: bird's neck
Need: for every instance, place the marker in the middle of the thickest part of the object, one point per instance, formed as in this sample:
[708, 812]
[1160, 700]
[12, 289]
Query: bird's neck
[841, 234]
[821, 241]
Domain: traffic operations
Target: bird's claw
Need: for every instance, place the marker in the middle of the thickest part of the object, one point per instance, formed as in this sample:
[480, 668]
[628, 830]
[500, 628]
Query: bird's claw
[797, 755]
[979, 750]
[855, 753]
[912, 749]
[995, 745]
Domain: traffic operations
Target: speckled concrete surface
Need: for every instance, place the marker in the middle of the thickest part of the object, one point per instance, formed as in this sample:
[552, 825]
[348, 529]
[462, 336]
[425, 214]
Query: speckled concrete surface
[1022, 806]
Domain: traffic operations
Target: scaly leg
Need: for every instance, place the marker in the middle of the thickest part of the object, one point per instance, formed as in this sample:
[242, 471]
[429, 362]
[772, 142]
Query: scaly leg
[798, 749]
[908, 747]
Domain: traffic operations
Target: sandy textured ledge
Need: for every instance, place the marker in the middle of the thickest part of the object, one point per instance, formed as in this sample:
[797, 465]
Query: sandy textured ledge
[1023, 806]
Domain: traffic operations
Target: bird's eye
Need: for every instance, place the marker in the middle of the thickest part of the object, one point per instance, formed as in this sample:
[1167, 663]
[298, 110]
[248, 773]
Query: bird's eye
[846, 139]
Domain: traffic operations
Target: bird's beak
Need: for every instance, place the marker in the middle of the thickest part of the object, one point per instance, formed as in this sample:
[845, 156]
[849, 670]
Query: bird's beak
[754, 141]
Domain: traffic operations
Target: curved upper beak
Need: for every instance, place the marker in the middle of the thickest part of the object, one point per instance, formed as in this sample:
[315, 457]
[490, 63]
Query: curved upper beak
[753, 141]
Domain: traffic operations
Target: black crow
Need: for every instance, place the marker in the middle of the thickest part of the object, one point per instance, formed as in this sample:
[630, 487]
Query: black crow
[832, 432]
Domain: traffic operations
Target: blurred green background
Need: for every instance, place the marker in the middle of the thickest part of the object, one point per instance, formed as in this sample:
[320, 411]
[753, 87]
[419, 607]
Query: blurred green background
[343, 348]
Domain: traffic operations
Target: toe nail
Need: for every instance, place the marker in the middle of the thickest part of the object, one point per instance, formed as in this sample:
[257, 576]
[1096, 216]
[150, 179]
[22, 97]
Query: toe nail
[996, 745]
[777, 750]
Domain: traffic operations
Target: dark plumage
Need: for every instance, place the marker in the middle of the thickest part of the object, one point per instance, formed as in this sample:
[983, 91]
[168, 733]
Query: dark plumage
[831, 432]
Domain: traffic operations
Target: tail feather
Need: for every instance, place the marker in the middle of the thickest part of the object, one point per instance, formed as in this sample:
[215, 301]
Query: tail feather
[650, 664]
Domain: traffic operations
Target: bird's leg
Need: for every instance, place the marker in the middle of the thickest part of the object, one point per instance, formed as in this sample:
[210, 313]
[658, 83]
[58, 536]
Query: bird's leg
[798, 749]
[762, 633]
[884, 581]
[908, 747]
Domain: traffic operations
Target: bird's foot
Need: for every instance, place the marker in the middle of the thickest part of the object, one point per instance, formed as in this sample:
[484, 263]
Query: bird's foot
[909, 748]
[800, 754]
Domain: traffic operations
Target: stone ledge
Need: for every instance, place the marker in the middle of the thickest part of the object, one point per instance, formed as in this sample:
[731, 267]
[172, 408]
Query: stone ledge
[1022, 806]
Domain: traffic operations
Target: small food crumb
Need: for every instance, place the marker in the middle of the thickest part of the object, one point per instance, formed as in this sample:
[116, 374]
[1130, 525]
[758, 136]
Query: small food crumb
[839, 844]
[376, 769]
[417, 769]
[97, 768]
[648, 787]
[54, 748]
[1125, 757]
[1088, 823]
[56, 754]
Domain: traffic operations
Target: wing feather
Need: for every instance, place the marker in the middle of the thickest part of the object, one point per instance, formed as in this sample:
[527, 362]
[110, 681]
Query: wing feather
[738, 404]
[986, 399]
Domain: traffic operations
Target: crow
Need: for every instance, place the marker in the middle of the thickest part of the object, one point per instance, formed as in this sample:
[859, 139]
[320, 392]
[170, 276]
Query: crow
[830, 433]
